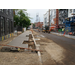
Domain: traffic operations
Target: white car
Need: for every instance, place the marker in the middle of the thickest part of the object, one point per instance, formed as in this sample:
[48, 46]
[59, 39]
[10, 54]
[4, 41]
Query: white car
[28, 28]
[15, 31]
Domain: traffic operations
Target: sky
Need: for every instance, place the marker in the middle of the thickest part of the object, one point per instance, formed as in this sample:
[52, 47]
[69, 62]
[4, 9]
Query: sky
[33, 12]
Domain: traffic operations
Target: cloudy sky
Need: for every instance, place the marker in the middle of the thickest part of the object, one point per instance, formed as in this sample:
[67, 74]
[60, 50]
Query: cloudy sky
[32, 13]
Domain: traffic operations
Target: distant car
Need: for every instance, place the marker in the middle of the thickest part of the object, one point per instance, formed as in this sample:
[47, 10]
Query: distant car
[28, 28]
[15, 31]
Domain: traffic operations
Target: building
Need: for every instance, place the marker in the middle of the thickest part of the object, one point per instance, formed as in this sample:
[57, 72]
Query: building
[63, 13]
[54, 14]
[6, 23]
[31, 26]
[53, 17]
[46, 19]
[71, 12]
[39, 25]
[36, 24]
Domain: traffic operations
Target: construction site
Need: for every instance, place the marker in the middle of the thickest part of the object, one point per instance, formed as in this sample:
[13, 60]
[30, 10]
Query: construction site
[25, 49]
[32, 48]
[43, 44]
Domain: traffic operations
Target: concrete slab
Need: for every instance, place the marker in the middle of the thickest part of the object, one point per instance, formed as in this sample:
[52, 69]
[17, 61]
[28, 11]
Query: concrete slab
[18, 41]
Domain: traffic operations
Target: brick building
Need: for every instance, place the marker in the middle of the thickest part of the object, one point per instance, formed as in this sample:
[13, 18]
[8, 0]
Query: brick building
[6, 23]
[54, 17]
[39, 25]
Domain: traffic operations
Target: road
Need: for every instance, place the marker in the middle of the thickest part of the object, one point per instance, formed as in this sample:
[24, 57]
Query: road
[67, 43]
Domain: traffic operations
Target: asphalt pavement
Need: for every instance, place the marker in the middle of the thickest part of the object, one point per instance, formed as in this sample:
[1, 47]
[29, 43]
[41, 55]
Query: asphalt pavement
[67, 43]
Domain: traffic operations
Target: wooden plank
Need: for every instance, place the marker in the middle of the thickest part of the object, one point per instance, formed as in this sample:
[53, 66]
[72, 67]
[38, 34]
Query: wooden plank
[21, 47]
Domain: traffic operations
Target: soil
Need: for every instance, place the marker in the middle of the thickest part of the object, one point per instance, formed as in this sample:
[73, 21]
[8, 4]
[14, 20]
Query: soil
[17, 58]
[46, 58]
[52, 53]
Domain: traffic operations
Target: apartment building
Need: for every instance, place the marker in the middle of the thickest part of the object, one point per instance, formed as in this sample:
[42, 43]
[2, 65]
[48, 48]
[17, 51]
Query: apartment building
[53, 17]
[63, 13]
[71, 12]
[6, 23]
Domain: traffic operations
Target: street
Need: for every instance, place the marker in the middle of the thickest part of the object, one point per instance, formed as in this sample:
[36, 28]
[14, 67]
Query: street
[67, 43]
[29, 42]
[56, 50]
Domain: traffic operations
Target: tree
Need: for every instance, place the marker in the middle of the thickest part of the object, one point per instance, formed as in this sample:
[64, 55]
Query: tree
[16, 19]
[21, 18]
[33, 25]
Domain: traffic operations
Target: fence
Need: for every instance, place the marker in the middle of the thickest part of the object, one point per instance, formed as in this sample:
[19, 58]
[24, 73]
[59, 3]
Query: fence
[67, 30]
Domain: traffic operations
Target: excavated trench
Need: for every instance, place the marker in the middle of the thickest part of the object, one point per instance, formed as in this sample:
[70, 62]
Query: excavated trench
[30, 42]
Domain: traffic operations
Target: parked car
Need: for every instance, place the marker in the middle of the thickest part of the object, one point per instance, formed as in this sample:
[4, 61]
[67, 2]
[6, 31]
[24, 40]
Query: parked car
[28, 28]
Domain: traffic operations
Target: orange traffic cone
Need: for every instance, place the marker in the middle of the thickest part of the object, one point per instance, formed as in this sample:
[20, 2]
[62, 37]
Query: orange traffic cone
[64, 33]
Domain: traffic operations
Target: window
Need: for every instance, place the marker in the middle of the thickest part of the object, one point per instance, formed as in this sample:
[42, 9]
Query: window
[70, 10]
[2, 10]
[62, 12]
[74, 10]
[7, 26]
[70, 19]
[54, 12]
[10, 11]
[11, 26]
[7, 11]
[2, 26]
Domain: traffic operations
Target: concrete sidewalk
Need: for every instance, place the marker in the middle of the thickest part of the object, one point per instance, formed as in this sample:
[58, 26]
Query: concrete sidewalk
[18, 41]
[60, 34]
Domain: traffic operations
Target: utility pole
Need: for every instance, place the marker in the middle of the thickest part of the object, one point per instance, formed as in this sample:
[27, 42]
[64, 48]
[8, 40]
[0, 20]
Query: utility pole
[39, 22]
[49, 18]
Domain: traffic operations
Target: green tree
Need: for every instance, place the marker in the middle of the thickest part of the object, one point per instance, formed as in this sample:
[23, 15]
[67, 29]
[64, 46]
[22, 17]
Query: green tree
[16, 19]
[21, 18]
[33, 25]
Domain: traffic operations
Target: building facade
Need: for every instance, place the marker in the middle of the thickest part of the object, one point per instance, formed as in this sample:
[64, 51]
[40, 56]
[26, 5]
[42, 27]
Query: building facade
[58, 19]
[71, 12]
[6, 23]
[53, 17]
[46, 19]
[39, 25]
[63, 13]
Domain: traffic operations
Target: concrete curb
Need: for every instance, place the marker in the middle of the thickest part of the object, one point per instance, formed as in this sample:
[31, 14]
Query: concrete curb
[39, 54]
[68, 36]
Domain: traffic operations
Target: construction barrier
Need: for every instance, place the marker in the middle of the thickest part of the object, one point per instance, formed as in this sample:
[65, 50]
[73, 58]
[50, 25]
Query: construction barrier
[2, 38]
[6, 36]
[10, 35]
